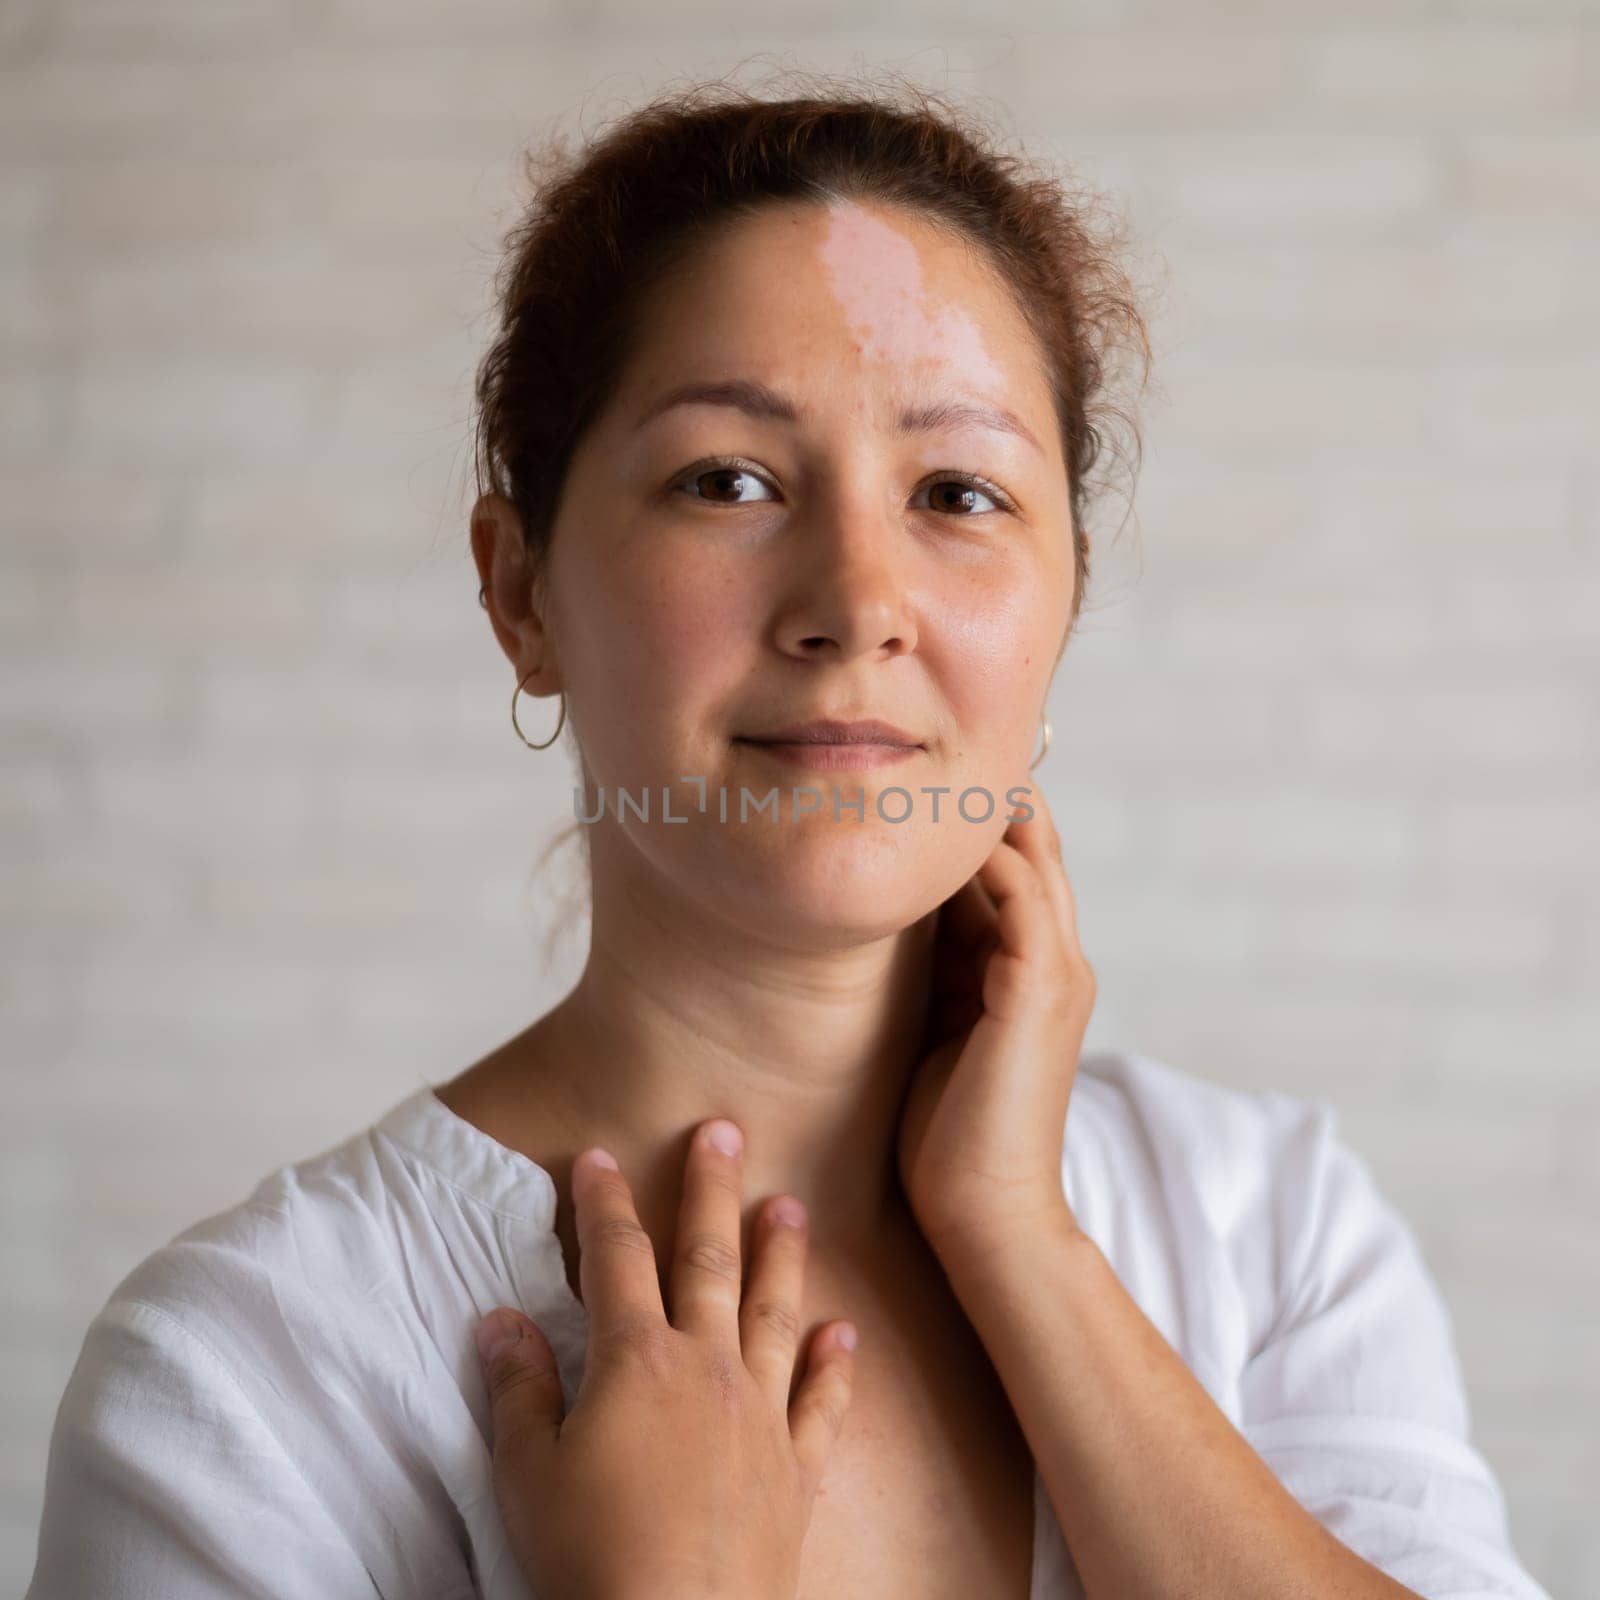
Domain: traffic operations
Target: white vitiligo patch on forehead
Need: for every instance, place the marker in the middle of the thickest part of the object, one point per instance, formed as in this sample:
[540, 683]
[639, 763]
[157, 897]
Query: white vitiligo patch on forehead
[875, 273]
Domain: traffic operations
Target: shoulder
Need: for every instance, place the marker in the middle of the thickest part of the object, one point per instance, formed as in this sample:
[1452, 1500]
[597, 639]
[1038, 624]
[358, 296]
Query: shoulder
[230, 1408]
[318, 1227]
[249, 1319]
[362, 1268]
[334, 1269]
[1259, 1193]
[1252, 1192]
[1231, 1151]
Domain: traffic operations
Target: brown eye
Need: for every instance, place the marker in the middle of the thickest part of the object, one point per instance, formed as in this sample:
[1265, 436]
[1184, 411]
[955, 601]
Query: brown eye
[962, 490]
[724, 483]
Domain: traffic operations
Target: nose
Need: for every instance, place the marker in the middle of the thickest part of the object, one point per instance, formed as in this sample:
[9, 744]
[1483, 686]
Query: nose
[848, 597]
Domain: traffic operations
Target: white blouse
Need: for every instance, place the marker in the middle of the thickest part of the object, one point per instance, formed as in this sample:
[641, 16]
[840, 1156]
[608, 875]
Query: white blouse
[285, 1400]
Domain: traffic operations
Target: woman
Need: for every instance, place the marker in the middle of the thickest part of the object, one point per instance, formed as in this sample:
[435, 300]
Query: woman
[786, 454]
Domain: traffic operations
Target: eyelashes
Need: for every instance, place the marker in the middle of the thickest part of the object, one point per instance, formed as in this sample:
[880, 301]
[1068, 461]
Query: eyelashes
[727, 465]
[737, 467]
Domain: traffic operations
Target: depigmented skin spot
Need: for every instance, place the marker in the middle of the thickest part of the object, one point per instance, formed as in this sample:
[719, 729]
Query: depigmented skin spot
[875, 272]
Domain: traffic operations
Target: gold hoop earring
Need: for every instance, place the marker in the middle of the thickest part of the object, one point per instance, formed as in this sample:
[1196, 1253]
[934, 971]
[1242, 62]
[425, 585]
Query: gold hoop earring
[1044, 722]
[515, 724]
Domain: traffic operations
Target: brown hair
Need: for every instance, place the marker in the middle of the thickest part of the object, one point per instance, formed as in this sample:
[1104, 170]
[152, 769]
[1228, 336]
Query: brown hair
[609, 224]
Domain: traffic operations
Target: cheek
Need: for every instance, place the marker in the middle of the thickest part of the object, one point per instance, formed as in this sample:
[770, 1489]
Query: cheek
[997, 646]
[660, 636]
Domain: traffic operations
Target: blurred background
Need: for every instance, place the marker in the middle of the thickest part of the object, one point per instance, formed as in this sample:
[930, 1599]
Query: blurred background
[1326, 750]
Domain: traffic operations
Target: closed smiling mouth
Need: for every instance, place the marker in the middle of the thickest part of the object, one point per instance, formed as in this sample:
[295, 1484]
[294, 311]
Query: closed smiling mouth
[828, 731]
[827, 744]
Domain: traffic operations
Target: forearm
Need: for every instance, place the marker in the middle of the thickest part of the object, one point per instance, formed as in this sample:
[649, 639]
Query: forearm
[1157, 1493]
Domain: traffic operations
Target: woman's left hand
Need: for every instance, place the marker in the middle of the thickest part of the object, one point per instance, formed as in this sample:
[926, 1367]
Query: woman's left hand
[980, 1138]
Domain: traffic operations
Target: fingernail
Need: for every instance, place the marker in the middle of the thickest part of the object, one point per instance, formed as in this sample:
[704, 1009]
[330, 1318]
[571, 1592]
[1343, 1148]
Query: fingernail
[848, 1336]
[788, 1211]
[495, 1332]
[725, 1137]
[601, 1158]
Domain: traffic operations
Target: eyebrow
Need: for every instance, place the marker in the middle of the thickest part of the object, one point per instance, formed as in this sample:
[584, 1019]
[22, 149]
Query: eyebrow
[770, 405]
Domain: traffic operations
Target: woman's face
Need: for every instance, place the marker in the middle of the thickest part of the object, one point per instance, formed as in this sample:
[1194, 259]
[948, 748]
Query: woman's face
[811, 541]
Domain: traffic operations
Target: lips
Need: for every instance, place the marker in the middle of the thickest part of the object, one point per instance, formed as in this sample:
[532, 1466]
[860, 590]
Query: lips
[827, 730]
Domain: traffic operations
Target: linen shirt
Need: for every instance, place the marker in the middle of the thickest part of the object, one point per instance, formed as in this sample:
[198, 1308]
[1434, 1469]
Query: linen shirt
[285, 1401]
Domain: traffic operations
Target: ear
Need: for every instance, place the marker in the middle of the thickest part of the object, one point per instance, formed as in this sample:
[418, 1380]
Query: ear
[513, 592]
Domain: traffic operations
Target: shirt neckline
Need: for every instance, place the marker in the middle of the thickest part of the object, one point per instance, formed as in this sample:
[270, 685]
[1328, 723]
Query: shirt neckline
[513, 1184]
[469, 1159]
[507, 1181]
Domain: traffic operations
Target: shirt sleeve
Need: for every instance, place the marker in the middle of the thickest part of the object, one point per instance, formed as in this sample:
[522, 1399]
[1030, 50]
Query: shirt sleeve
[1354, 1395]
[165, 1483]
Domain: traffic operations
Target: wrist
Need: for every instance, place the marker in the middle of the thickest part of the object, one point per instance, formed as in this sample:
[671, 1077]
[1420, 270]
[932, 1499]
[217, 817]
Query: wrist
[981, 1249]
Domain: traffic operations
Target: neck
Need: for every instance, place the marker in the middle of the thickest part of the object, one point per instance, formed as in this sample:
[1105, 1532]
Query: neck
[810, 1053]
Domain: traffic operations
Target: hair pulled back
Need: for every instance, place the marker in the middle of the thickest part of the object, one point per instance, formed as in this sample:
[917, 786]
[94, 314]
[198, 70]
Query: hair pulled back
[610, 221]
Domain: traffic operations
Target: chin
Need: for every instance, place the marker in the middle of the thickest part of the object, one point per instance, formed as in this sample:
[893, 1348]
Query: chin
[820, 884]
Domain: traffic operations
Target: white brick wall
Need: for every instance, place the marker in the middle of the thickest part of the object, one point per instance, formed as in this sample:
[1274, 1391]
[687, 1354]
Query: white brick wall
[1326, 753]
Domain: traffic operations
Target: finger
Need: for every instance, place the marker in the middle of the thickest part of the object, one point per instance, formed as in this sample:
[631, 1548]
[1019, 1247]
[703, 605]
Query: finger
[769, 1313]
[1030, 951]
[817, 1415]
[616, 1261]
[705, 1263]
[1040, 841]
[526, 1405]
[1063, 970]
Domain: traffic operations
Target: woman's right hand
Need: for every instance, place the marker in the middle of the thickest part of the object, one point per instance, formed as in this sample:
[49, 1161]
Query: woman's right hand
[682, 1469]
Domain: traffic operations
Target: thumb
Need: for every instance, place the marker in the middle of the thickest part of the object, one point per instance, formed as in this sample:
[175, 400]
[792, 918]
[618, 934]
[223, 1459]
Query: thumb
[526, 1403]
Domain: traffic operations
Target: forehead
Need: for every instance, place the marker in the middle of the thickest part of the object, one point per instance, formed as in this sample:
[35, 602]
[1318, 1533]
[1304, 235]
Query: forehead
[847, 302]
